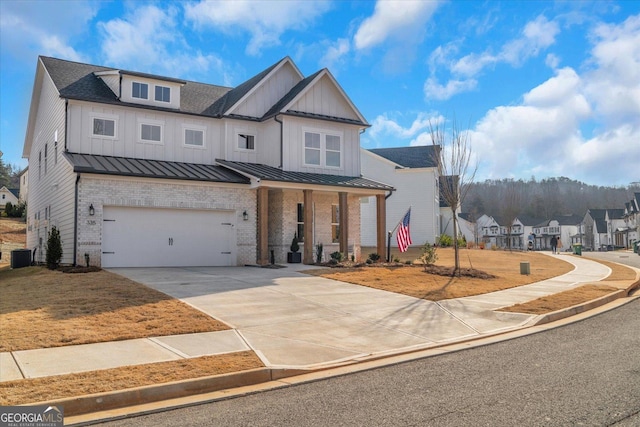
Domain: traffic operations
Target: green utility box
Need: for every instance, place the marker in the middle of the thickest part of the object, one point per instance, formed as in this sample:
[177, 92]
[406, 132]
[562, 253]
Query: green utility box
[577, 249]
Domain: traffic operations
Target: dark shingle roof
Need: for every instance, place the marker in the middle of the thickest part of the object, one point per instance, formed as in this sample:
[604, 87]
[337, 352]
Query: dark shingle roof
[423, 156]
[269, 173]
[290, 95]
[597, 214]
[123, 166]
[615, 213]
[446, 184]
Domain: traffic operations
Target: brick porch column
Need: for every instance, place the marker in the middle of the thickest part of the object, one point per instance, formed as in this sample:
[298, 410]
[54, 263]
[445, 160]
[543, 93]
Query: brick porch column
[307, 256]
[263, 226]
[381, 224]
[343, 210]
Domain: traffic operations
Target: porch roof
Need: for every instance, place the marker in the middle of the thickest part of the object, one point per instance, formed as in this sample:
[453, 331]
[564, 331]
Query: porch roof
[123, 166]
[270, 173]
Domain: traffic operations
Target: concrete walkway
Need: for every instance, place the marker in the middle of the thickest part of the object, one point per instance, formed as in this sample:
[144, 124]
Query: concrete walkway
[292, 320]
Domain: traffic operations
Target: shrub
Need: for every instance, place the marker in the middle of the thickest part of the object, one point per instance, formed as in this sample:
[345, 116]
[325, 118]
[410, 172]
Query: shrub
[445, 241]
[54, 249]
[295, 247]
[373, 258]
[337, 256]
[429, 255]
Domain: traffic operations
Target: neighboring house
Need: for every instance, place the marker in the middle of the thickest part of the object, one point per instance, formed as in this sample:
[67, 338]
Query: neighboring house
[8, 195]
[446, 185]
[595, 229]
[470, 228]
[24, 184]
[490, 230]
[136, 169]
[413, 172]
[632, 220]
[565, 227]
[615, 228]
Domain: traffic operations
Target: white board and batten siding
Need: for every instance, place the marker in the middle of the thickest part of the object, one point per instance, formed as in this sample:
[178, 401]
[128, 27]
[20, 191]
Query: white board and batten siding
[127, 143]
[154, 237]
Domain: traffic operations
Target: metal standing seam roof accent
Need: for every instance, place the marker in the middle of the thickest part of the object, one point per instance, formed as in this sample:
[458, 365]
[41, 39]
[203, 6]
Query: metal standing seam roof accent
[270, 173]
[123, 166]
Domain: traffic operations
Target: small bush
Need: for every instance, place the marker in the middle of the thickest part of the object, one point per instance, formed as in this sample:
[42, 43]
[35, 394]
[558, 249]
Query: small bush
[368, 261]
[445, 241]
[373, 258]
[337, 256]
[429, 255]
[396, 259]
[319, 249]
[295, 247]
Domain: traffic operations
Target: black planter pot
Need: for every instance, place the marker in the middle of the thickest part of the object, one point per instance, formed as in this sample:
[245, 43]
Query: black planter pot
[294, 257]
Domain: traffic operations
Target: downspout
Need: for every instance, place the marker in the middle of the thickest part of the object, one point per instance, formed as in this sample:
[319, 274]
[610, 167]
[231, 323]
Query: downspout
[66, 122]
[281, 140]
[389, 233]
[75, 223]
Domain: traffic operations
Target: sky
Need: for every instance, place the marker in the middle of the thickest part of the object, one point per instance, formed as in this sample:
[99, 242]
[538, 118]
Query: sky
[541, 88]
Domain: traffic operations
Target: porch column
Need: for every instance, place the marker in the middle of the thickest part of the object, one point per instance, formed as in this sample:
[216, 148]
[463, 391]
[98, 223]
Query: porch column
[343, 210]
[307, 255]
[381, 224]
[262, 224]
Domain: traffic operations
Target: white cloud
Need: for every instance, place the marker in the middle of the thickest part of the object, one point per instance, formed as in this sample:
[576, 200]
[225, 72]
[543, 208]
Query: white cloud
[537, 35]
[147, 39]
[265, 21]
[29, 28]
[401, 19]
[434, 90]
[335, 53]
[384, 128]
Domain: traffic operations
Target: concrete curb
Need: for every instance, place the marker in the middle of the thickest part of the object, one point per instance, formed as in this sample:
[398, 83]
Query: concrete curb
[104, 402]
[154, 393]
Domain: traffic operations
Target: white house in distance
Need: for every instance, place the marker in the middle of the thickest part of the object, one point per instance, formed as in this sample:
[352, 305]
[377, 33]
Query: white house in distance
[8, 196]
[413, 172]
[136, 169]
[24, 184]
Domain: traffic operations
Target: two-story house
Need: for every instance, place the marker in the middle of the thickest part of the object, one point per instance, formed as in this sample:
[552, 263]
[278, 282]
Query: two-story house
[413, 172]
[594, 228]
[615, 227]
[564, 227]
[632, 220]
[136, 169]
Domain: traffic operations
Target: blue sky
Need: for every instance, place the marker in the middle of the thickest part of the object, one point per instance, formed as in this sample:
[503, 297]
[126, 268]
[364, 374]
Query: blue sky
[543, 88]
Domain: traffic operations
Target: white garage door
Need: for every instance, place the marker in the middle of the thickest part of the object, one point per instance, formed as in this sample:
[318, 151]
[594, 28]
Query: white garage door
[149, 237]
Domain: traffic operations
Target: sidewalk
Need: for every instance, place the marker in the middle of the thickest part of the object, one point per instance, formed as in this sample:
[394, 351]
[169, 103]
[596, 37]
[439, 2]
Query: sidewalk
[303, 322]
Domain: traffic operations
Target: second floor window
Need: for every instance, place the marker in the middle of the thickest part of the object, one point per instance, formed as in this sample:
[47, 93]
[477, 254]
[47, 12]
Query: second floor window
[104, 127]
[194, 137]
[321, 149]
[151, 133]
[312, 148]
[140, 90]
[163, 94]
[246, 141]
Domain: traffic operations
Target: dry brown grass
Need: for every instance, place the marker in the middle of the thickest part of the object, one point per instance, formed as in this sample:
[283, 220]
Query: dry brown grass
[618, 272]
[562, 300]
[413, 281]
[13, 230]
[64, 386]
[41, 308]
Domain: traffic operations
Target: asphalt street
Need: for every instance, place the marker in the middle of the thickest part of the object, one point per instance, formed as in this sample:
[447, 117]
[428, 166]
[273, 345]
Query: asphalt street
[622, 257]
[585, 373]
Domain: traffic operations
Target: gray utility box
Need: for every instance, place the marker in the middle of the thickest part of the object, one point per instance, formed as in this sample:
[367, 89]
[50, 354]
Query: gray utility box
[20, 258]
[525, 268]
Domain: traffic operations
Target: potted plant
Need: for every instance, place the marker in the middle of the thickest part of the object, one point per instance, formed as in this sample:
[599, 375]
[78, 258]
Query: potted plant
[294, 256]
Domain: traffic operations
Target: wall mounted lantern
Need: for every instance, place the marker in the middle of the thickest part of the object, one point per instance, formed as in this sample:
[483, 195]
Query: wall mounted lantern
[245, 216]
[92, 211]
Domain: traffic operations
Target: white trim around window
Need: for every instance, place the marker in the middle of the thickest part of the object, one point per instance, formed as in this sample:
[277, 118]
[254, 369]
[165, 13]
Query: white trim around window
[194, 136]
[150, 131]
[104, 124]
[322, 148]
[245, 141]
[139, 90]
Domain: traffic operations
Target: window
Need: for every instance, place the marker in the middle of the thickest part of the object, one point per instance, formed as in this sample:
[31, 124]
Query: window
[140, 90]
[163, 94]
[39, 164]
[246, 141]
[55, 153]
[104, 127]
[151, 133]
[194, 137]
[46, 146]
[335, 223]
[312, 148]
[321, 149]
[300, 222]
[333, 151]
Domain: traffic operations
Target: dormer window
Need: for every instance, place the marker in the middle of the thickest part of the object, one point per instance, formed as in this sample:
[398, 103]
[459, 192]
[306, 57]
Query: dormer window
[163, 94]
[140, 90]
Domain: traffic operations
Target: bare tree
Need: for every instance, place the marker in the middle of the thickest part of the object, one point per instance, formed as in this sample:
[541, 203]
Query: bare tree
[454, 167]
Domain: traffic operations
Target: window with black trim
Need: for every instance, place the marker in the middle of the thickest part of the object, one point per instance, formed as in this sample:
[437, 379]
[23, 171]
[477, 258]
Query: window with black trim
[140, 90]
[163, 94]
[246, 141]
[335, 223]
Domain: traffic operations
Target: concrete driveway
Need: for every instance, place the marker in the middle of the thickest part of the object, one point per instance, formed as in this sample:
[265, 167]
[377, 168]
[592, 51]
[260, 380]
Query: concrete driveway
[294, 320]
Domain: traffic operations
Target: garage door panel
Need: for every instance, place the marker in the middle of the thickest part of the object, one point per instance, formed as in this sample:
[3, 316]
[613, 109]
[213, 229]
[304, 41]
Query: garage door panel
[148, 237]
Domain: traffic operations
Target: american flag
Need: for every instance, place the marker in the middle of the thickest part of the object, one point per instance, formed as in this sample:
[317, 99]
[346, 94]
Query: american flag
[404, 235]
